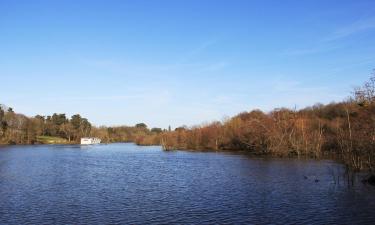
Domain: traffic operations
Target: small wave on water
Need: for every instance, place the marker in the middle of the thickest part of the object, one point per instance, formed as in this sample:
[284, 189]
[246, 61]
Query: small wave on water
[128, 184]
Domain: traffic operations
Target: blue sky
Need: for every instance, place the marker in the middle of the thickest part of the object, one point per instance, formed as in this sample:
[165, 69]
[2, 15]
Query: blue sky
[180, 62]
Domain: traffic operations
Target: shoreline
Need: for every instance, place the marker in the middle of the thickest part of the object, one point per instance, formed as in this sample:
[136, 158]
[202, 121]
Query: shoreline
[325, 156]
[242, 152]
[365, 176]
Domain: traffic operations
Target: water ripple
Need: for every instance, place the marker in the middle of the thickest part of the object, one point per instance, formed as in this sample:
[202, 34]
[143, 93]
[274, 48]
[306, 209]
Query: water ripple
[127, 184]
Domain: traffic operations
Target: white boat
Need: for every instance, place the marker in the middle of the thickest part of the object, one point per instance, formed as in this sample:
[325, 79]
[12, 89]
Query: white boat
[90, 141]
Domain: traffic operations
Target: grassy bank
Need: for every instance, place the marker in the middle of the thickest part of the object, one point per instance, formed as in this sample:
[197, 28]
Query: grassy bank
[51, 140]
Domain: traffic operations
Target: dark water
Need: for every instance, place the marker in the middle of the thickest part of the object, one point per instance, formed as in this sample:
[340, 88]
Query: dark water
[126, 184]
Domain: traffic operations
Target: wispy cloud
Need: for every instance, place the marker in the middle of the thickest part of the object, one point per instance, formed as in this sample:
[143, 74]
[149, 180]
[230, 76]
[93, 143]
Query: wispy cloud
[212, 67]
[310, 51]
[151, 97]
[351, 29]
[327, 43]
[196, 51]
[134, 69]
[285, 85]
[353, 64]
[94, 98]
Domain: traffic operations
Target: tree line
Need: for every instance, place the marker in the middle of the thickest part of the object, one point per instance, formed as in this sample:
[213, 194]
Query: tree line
[17, 128]
[345, 130]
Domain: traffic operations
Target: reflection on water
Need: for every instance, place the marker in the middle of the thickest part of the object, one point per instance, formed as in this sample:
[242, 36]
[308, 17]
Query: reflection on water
[124, 183]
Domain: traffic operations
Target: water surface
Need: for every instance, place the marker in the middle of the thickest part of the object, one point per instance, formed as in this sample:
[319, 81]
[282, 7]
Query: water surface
[127, 184]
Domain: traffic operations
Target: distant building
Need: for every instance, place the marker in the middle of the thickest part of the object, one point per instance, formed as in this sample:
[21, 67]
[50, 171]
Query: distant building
[90, 141]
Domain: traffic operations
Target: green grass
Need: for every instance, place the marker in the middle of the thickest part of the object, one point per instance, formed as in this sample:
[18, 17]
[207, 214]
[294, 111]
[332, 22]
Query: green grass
[51, 140]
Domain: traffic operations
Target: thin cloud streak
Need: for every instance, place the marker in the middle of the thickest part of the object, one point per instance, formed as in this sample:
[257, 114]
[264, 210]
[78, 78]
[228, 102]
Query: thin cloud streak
[351, 29]
[326, 43]
[145, 96]
[196, 51]
[310, 51]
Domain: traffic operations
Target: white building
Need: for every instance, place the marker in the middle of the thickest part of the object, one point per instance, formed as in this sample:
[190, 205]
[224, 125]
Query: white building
[90, 141]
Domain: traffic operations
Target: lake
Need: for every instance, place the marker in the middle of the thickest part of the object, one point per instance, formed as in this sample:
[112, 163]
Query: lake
[129, 184]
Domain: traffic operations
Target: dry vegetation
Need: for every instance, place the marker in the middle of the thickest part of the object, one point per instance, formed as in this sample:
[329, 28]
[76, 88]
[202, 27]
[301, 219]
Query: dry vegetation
[343, 130]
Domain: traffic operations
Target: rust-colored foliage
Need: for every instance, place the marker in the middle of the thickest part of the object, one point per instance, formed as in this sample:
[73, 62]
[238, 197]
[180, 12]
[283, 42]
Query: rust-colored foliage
[345, 130]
